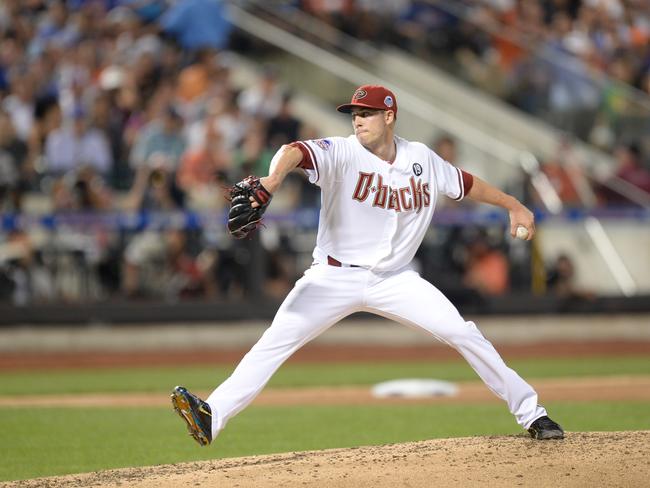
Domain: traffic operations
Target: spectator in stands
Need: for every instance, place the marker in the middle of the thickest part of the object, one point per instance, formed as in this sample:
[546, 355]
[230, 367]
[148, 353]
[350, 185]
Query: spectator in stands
[264, 99]
[161, 264]
[14, 172]
[147, 10]
[76, 145]
[154, 188]
[23, 278]
[445, 146]
[561, 280]
[44, 70]
[279, 277]
[205, 171]
[192, 90]
[486, 269]
[284, 127]
[81, 190]
[333, 12]
[47, 118]
[254, 157]
[75, 85]
[206, 95]
[567, 177]
[53, 28]
[198, 24]
[9, 196]
[371, 19]
[132, 109]
[418, 27]
[146, 74]
[162, 136]
[20, 104]
[109, 117]
[189, 276]
[231, 121]
[560, 277]
[630, 169]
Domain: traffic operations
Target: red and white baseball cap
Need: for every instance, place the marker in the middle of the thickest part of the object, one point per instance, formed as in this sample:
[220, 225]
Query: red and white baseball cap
[371, 96]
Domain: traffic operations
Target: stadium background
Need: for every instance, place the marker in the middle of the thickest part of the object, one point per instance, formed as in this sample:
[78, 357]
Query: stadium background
[123, 121]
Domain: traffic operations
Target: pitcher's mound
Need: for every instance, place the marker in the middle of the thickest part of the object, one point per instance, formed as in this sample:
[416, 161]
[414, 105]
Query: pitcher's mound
[620, 459]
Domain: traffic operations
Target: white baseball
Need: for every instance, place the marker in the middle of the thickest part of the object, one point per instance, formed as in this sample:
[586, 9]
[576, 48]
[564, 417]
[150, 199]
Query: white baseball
[521, 232]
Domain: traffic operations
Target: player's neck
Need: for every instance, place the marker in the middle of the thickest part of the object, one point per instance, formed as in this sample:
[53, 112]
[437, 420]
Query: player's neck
[385, 149]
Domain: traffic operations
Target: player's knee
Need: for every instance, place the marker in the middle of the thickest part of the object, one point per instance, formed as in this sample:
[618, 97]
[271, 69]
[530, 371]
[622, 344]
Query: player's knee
[461, 332]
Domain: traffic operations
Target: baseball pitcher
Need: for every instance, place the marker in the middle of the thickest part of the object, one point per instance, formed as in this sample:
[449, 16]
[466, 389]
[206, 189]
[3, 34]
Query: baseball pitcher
[378, 197]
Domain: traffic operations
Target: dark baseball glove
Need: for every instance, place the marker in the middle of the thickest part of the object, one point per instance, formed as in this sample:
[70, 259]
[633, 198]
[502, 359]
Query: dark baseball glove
[243, 218]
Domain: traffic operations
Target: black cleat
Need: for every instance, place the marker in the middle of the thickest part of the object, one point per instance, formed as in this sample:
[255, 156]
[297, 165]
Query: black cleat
[545, 428]
[195, 412]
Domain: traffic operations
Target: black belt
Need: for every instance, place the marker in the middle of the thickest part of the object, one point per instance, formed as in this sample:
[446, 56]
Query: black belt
[335, 262]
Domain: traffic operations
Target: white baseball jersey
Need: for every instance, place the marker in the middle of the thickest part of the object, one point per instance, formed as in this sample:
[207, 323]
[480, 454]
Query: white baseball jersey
[375, 213]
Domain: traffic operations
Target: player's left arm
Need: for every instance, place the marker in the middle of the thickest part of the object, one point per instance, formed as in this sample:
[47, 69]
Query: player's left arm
[482, 191]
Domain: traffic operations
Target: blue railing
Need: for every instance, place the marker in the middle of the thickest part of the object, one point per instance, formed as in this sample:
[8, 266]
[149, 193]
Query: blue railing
[304, 218]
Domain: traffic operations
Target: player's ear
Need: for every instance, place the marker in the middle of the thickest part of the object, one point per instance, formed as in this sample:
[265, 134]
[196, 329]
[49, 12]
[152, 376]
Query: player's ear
[389, 116]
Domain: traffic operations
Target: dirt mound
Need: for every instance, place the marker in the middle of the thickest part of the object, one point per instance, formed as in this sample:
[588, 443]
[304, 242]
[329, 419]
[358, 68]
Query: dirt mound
[620, 459]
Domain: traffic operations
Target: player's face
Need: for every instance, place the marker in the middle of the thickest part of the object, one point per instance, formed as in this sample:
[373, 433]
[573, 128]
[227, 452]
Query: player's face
[370, 125]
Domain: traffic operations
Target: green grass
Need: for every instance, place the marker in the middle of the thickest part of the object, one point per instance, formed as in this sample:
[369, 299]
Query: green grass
[50, 441]
[161, 379]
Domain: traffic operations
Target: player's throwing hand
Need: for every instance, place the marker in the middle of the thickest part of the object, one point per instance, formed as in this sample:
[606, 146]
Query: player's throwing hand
[522, 217]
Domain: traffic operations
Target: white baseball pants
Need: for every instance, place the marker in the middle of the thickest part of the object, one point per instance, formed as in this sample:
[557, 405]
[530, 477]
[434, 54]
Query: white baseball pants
[326, 294]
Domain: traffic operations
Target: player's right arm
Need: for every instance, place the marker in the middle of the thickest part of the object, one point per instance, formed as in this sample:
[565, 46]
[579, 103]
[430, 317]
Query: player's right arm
[482, 191]
[285, 160]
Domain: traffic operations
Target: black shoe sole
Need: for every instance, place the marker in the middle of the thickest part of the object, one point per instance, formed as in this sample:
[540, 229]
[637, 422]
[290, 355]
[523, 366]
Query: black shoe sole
[184, 410]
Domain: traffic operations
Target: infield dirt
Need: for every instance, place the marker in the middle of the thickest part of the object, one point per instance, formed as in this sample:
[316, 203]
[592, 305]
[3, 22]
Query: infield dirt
[589, 459]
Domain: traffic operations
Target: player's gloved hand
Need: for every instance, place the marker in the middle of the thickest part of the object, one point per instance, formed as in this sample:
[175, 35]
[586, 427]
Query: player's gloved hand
[243, 217]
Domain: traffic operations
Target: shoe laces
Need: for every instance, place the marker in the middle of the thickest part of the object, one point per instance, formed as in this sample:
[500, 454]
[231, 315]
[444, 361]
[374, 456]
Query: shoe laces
[546, 423]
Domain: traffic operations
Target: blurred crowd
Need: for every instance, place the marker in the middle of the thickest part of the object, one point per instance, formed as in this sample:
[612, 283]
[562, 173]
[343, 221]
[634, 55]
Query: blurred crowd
[543, 55]
[130, 106]
[109, 105]
[582, 65]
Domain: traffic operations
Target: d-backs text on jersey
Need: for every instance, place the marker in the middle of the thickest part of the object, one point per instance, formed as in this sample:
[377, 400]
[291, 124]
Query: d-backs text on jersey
[412, 197]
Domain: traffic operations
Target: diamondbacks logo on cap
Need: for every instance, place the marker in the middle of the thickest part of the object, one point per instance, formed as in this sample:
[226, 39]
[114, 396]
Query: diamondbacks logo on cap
[359, 94]
[417, 169]
[388, 101]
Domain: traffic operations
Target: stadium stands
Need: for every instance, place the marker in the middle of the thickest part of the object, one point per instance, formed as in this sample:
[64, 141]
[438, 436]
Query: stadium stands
[120, 127]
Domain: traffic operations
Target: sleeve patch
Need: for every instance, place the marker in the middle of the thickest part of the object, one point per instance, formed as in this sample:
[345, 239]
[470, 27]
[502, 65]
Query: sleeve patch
[324, 144]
